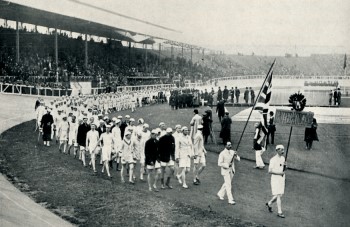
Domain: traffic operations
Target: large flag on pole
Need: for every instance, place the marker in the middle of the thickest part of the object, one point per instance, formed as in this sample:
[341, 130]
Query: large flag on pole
[263, 102]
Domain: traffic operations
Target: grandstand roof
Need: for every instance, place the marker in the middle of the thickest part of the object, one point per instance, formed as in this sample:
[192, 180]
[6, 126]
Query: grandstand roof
[25, 14]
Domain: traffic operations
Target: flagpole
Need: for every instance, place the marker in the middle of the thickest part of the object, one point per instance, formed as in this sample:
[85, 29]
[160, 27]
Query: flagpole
[240, 139]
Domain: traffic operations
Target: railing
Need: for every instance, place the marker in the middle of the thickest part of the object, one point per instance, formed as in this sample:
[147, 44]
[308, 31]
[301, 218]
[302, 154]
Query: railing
[7, 88]
[32, 90]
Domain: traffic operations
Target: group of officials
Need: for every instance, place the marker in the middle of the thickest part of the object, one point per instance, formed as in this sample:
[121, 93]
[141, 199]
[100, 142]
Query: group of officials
[133, 146]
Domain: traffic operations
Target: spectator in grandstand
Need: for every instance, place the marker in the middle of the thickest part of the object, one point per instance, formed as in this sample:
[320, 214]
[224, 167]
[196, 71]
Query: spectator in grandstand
[225, 94]
[246, 95]
[252, 95]
[237, 93]
[225, 132]
[311, 134]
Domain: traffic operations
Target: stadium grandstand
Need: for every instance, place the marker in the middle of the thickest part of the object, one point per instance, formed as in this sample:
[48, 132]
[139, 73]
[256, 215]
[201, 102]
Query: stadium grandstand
[46, 49]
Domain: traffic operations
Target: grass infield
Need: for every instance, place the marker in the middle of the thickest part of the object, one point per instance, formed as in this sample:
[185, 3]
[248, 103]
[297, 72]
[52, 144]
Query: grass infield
[316, 186]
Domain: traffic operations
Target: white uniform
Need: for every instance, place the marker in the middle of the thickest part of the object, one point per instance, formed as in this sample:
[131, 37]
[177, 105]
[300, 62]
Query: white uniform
[127, 152]
[227, 171]
[107, 139]
[196, 120]
[198, 148]
[184, 151]
[63, 129]
[277, 181]
[117, 138]
[92, 137]
[73, 131]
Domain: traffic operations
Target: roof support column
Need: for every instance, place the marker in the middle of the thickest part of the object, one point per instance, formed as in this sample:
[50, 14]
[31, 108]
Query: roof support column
[182, 51]
[86, 52]
[160, 48]
[17, 42]
[146, 57]
[129, 54]
[56, 54]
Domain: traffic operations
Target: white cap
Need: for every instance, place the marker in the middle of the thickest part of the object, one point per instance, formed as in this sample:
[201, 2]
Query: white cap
[178, 126]
[108, 126]
[158, 130]
[101, 121]
[169, 130]
[127, 133]
[279, 147]
[161, 123]
[117, 121]
[228, 143]
[184, 128]
[141, 121]
[146, 125]
[127, 116]
[105, 117]
[154, 131]
[114, 119]
[120, 117]
[132, 119]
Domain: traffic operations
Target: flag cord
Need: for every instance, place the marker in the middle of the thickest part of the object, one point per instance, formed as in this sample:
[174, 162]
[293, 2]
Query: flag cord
[246, 123]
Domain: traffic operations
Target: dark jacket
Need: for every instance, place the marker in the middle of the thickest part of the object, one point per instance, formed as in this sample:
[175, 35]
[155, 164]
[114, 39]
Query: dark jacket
[46, 122]
[81, 136]
[151, 151]
[220, 108]
[166, 147]
[101, 129]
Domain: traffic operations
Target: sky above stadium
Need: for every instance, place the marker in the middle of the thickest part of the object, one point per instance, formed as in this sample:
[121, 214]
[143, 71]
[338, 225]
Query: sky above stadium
[268, 27]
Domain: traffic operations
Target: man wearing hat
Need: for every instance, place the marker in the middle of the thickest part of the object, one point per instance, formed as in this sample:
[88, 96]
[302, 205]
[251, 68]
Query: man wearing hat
[40, 112]
[63, 130]
[167, 156]
[138, 148]
[163, 128]
[225, 132]
[127, 157]
[72, 136]
[124, 124]
[117, 139]
[195, 121]
[183, 155]
[102, 127]
[259, 150]
[226, 162]
[276, 169]
[151, 160]
[92, 138]
[45, 126]
[81, 138]
[199, 155]
[107, 140]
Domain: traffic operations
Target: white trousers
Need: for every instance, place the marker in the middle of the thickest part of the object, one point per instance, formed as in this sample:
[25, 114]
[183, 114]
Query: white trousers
[226, 187]
[258, 159]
